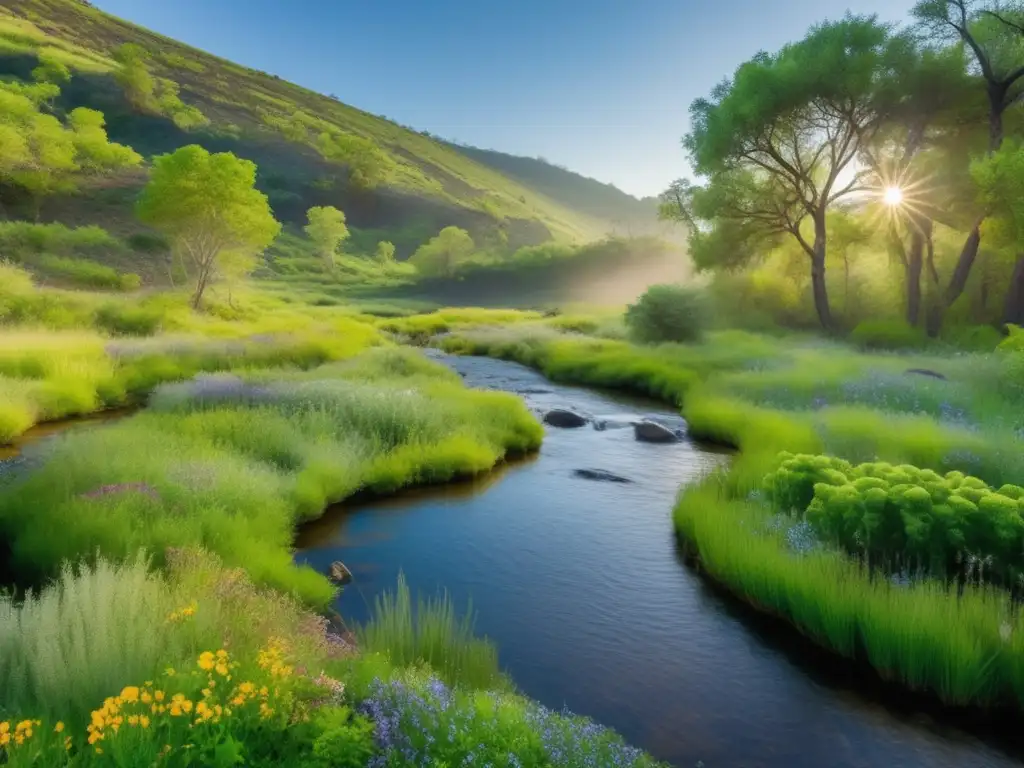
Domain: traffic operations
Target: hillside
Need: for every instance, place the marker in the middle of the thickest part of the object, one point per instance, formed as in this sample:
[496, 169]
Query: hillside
[310, 148]
[605, 202]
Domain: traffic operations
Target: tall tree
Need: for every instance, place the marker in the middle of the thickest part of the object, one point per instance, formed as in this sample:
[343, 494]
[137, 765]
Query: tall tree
[385, 252]
[209, 207]
[1000, 180]
[777, 144]
[991, 31]
[327, 230]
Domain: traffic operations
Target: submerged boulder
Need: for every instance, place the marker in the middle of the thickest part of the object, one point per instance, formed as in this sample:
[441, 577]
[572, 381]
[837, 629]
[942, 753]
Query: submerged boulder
[563, 417]
[653, 432]
[339, 573]
[601, 475]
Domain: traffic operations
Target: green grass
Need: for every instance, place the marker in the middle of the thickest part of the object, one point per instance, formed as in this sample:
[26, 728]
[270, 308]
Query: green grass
[432, 633]
[766, 395]
[233, 466]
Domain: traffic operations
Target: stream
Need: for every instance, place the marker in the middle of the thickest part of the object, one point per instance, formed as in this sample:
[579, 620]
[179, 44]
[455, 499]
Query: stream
[582, 585]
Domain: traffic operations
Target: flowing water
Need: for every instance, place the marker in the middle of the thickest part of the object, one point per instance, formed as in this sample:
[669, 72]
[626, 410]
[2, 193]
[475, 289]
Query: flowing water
[581, 584]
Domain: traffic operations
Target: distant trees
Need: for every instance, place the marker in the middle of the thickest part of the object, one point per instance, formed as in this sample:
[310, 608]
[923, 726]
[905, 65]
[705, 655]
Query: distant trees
[327, 230]
[385, 253]
[51, 70]
[153, 95]
[368, 165]
[43, 155]
[439, 256]
[208, 206]
[1000, 180]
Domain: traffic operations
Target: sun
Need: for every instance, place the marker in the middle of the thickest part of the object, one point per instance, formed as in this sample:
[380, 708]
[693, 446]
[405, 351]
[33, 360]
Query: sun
[893, 196]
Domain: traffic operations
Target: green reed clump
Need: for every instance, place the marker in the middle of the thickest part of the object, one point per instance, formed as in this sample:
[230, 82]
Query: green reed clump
[432, 632]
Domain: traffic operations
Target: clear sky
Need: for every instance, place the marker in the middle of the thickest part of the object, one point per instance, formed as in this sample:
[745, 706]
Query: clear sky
[600, 86]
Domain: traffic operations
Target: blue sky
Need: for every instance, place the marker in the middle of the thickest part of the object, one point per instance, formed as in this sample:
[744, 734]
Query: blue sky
[600, 86]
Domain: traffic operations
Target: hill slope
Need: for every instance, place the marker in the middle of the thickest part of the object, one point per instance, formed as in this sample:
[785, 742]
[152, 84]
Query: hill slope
[626, 214]
[427, 184]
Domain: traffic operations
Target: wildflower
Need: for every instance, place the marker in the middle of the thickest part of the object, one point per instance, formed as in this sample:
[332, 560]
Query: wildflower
[130, 694]
[146, 697]
[59, 727]
[170, 672]
[144, 721]
[158, 695]
[206, 661]
[221, 669]
[67, 743]
[133, 719]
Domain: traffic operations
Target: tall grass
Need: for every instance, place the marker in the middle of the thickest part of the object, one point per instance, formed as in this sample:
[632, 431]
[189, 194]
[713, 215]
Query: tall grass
[93, 630]
[232, 466]
[432, 633]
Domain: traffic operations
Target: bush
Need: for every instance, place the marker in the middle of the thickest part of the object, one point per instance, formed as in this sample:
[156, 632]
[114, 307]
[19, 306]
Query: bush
[126, 320]
[887, 334]
[975, 338]
[130, 282]
[1014, 342]
[148, 242]
[81, 272]
[668, 313]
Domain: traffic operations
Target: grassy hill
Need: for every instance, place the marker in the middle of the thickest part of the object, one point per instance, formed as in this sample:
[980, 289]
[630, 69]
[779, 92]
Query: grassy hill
[605, 202]
[428, 184]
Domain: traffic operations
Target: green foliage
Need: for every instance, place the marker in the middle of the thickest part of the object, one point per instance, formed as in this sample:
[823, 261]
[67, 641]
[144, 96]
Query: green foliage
[90, 632]
[368, 165]
[385, 252]
[156, 95]
[1000, 181]
[668, 313]
[327, 230]
[887, 334]
[43, 155]
[442, 254]
[432, 633]
[51, 70]
[83, 273]
[899, 516]
[233, 466]
[120, 319]
[209, 207]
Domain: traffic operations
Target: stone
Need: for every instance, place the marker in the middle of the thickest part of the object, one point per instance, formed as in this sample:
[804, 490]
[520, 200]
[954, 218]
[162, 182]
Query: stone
[339, 573]
[602, 475]
[926, 372]
[562, 417]
[653, 432]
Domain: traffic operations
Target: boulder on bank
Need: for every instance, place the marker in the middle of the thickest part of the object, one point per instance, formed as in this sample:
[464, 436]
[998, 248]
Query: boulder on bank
[602, 475]
[563, 417]
[653, 432]
[339, 573]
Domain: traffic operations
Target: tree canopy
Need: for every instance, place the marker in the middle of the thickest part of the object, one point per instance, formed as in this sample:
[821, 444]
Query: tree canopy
[441, 254]
[208, 206]
[327, 230]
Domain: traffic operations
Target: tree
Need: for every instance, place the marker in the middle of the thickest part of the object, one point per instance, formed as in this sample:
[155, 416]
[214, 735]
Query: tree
[846, 231]
[777, 144]
[368, 165]
[44, 156]
[992, 33]
[385, 253]
[134, 77]
[442, 253]
[51, 70]
[327, 230]
[209, 207]
[1000, 180]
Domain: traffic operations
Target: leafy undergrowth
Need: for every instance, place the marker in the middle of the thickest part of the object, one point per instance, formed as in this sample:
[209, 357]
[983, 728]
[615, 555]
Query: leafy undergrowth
[241, 675]
[232, 464]
[766, 396]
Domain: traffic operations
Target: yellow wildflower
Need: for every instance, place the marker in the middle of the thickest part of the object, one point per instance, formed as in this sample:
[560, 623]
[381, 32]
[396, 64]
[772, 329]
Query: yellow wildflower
[222, 669]
[206, 660]
[67, 743]
[5, 739]
[170, 672]
[130, 694]
[158, 695]
[59, 727]
[146, 697]
[144, 721]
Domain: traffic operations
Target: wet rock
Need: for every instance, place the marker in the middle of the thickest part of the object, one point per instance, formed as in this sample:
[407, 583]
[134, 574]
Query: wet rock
[339, 574]
[563, 417]
[653, 432]
[533, 391]
[601, 475]
[926, 372]
[612, 423]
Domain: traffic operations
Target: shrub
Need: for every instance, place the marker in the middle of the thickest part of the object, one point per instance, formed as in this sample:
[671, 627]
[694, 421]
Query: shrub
[975, 338]
[887, 334]
[127, 320]
[149, 242]
[1014, 342]
[668, 313]
[81, 272]
[130, 282]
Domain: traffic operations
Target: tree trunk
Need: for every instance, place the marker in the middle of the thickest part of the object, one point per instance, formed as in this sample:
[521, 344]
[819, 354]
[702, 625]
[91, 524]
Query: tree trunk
[1014, 313]
[818, 285]
[958, 281]
[201, 283]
